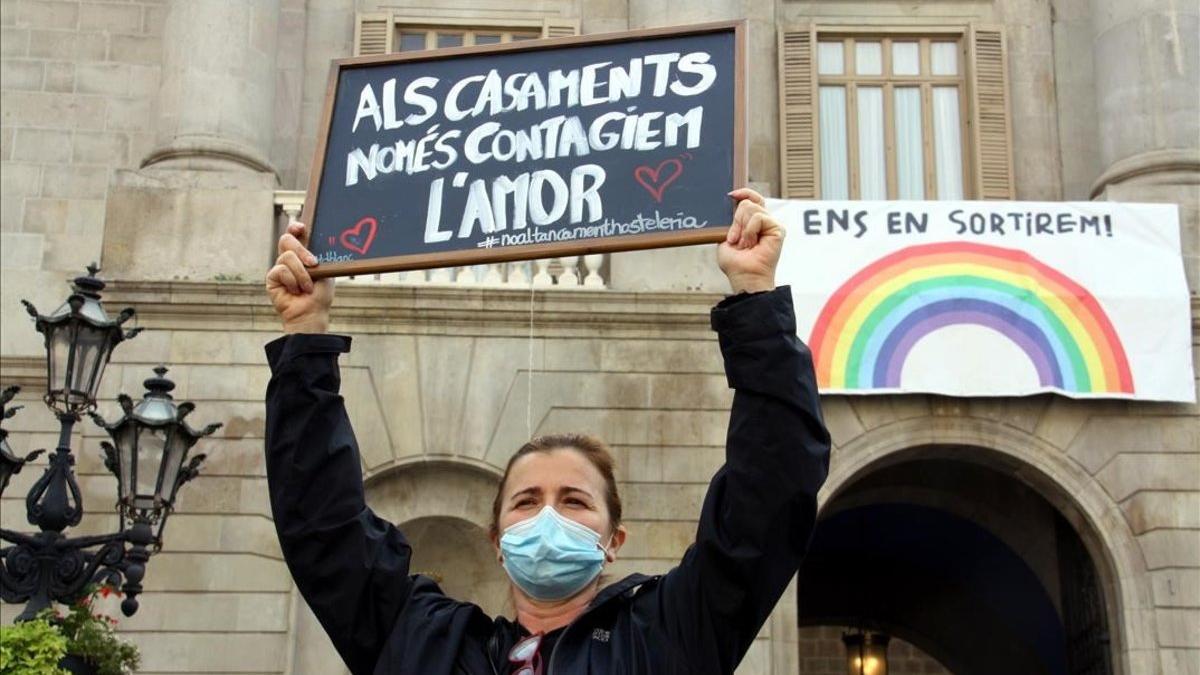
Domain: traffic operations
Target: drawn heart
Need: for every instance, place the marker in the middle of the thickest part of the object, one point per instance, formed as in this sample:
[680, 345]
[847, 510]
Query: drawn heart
[353, 238]
[656, 180]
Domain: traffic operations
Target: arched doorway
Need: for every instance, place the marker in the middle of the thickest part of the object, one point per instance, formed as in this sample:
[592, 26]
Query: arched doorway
[949, 549]
[458, 555]
[444, 510]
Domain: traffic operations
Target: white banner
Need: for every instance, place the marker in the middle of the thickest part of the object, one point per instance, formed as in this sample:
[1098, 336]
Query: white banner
[1084, 299]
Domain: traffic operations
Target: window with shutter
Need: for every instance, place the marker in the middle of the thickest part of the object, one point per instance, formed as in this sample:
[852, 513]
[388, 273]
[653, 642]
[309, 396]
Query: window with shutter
[894, 114]
[386, 32]
[798, 149]
[373, 34]
[992, 133]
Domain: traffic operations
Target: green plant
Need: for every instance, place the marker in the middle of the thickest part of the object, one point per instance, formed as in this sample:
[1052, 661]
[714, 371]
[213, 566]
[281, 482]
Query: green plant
[92, 636]
[32, 648]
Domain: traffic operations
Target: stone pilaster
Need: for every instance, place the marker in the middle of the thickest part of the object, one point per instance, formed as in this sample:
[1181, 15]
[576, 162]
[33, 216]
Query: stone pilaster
[1147, 73]
[216, 102]
[201, 206]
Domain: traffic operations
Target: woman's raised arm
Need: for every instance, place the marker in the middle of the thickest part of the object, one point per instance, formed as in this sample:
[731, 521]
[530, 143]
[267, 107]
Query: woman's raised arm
[759, 512]
[351, 566]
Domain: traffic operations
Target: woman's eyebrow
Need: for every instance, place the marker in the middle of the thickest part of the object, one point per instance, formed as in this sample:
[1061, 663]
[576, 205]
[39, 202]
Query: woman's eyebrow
[570, 488]
[530, 491]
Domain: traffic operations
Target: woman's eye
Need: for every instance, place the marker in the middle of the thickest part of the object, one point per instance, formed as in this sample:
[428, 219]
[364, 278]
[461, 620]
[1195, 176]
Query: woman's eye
[524, 502]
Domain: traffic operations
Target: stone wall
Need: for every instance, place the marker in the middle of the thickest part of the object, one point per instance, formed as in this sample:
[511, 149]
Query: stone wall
[79, 80]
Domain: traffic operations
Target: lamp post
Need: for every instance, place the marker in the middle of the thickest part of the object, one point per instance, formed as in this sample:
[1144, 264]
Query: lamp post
[152, 440]
[866, 653]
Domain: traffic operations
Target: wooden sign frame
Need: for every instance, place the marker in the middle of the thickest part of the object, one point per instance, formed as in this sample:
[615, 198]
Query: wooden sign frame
[629, 242]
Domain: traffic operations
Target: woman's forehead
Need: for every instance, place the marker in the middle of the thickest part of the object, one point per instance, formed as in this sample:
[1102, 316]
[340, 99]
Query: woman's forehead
[553, 470]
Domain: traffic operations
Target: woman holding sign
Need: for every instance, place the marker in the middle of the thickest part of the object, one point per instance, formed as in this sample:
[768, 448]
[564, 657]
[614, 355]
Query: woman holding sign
[557, 514]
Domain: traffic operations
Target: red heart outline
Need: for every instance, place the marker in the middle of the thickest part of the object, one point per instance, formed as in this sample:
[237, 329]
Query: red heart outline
[348, 235]
[650, 177]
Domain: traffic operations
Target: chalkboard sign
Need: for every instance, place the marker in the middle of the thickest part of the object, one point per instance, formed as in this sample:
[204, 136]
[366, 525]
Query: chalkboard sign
[530, 149]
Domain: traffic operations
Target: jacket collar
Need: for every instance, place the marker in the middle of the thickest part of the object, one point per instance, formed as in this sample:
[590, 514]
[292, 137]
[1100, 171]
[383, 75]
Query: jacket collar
[619, 589]
[622, 588]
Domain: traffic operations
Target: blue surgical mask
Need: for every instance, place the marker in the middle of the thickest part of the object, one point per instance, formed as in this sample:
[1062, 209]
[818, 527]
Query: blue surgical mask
[551, 557]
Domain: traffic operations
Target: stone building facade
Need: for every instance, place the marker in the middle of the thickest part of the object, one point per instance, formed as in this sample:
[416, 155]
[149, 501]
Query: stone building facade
[167, 139]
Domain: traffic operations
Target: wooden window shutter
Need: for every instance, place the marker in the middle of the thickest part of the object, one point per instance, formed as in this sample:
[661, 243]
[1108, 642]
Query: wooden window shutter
[373, 34]
[797, 113]
[991, 128]
[560, 27]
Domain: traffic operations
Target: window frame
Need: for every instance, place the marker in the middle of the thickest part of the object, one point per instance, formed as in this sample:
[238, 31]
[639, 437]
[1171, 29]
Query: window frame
[989, 121]
[925, 81]
[379, 32]
[508, 31]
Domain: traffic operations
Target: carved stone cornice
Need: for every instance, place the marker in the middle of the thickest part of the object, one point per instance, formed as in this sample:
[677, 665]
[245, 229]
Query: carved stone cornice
[426, 309]
[1185, 161]
[361, 309]
[210, 148]
[27, 372]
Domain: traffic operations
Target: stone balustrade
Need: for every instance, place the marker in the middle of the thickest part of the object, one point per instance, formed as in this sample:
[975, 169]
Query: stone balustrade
[564, 272]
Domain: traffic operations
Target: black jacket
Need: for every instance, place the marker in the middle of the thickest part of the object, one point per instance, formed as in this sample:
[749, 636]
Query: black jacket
[353, 567]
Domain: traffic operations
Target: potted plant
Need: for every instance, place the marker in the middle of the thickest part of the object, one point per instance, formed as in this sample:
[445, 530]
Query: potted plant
[33, 647]
[92, 642]
[81, 642]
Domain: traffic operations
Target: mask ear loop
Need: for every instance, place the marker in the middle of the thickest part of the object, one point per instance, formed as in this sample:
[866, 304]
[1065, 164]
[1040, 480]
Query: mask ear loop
[608, 553]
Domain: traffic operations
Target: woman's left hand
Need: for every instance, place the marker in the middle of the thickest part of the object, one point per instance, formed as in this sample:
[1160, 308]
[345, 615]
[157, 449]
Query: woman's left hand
[750, 252]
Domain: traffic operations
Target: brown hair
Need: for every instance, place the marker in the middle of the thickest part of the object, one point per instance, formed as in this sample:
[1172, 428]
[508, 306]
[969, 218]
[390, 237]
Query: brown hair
[593, 449]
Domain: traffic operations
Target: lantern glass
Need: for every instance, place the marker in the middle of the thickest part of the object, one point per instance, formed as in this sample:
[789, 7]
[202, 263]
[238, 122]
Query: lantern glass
[176, 449]
[60, 362]
[126, 442]
[867, 664]
[866, 653]
[152, 442]
[91, 355]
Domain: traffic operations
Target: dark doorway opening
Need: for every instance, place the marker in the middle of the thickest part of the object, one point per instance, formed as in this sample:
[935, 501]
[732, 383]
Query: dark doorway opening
[962, 560]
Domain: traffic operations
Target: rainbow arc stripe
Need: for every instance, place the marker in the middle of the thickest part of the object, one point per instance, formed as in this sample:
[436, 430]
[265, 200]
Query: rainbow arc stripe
[871, 323]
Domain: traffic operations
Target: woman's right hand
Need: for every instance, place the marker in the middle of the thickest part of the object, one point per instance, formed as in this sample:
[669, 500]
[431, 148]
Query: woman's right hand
[301, 302]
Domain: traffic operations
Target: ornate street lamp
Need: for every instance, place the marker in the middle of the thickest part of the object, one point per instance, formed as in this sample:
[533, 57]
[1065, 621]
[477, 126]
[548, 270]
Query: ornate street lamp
[152, 442]
[80, 338]
[48, 566]
[866, 653]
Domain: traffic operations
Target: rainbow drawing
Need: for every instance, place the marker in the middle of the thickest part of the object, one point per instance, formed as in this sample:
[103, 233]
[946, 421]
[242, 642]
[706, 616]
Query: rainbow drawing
[871, 323]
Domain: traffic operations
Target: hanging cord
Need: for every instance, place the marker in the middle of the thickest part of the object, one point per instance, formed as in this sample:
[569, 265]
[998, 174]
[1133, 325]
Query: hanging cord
[529, 388]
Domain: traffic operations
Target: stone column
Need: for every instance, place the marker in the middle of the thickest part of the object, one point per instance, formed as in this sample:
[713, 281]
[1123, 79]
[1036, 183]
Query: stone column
[1147, 70]
[694, 268]
[201, 207]
[216, 103]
